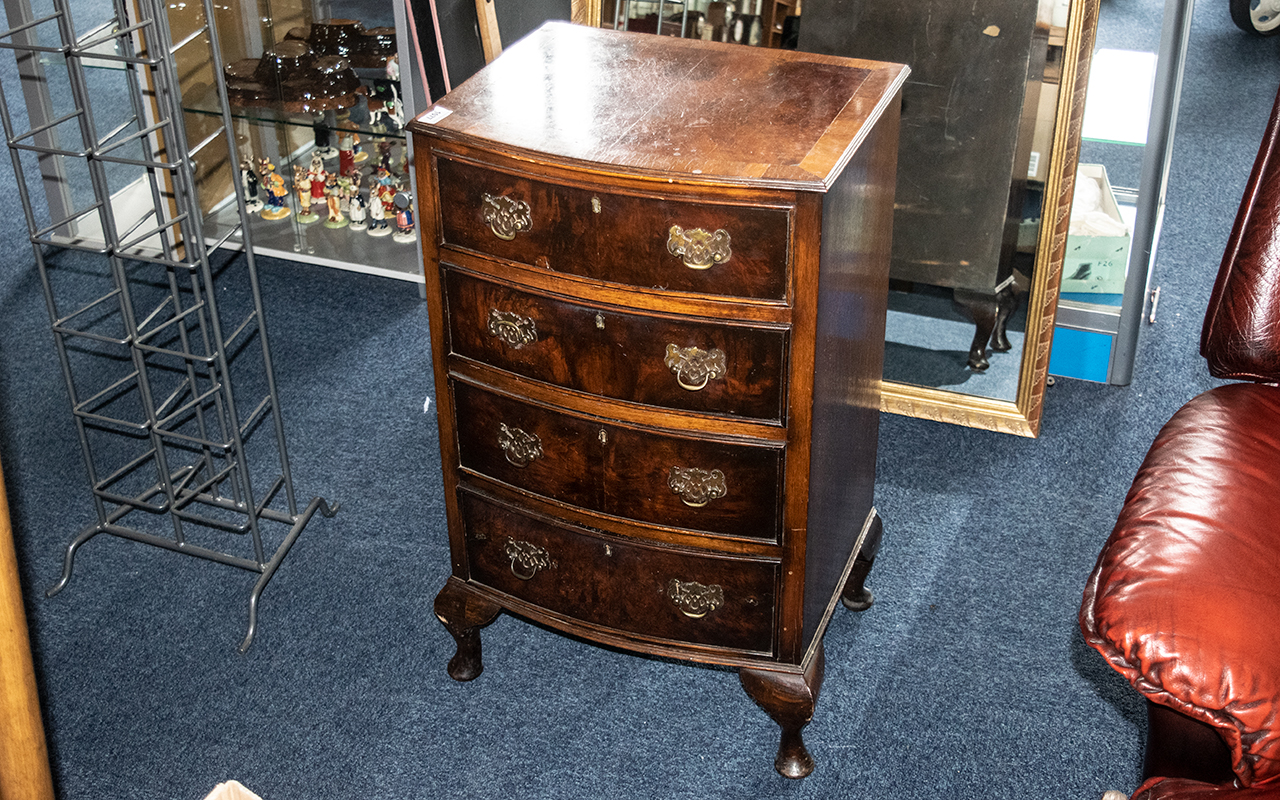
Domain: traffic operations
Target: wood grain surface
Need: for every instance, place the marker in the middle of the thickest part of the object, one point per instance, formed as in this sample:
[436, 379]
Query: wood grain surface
[24, 755]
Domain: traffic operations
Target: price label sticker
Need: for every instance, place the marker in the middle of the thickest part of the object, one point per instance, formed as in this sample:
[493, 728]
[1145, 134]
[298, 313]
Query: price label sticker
[436, 114]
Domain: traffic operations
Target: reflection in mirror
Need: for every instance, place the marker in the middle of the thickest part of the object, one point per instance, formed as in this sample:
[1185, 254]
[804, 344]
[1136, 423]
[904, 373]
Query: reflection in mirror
[988, 149]
[761, 23]
[962, 185]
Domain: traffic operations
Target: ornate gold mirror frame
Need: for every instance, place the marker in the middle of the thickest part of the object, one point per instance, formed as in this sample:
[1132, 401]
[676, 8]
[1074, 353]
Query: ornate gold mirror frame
[585, 12]
[1022, 416]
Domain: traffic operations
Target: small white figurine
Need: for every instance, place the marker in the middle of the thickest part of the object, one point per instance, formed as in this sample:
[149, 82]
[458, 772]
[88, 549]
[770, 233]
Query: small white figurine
[249, 180]
[377, 213]
[356, 211]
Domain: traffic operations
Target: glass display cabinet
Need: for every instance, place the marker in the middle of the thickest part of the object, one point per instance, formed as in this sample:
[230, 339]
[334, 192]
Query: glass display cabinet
[319, 103]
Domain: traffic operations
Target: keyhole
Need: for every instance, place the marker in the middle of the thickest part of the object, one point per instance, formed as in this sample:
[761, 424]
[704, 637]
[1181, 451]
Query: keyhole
[604, 436]
[595, 204]
[600, 321]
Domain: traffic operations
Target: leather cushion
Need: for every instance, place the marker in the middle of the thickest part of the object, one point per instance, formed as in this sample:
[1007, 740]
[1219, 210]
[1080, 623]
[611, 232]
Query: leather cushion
[1185, 598]
[1241, 333]
[1184, 789]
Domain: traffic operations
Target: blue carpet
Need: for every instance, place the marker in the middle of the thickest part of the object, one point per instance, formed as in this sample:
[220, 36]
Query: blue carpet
[966, 679]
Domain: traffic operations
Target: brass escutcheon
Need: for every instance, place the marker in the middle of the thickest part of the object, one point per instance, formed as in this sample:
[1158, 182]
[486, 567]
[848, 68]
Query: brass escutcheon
[697, 487]
[693, 599]
[694, 366]
[520, 447]
[506, 217]
[512, 328]
[527, 558]
[698, 248]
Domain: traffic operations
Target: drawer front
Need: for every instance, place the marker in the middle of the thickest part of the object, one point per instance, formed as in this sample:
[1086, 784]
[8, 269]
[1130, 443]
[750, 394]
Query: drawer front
[656, 592]
[673, 362]
[738, 251]
[646, 475]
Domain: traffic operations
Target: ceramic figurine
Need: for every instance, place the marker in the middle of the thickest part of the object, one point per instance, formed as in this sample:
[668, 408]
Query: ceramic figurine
[404, 219]
[349, 152]
[346, 152]
[318, 177]
[275, 191]
[333, 200]
[342, 187]
[302, 185]
[384, 156]
[324, 141]
[249, 180]
[388, 115]
[395, 110]
[357, 211]
[377, 212]
[382, 177]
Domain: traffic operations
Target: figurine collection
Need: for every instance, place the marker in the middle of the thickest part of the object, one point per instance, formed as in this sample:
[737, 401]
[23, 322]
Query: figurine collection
[314, 71]
[335, 199]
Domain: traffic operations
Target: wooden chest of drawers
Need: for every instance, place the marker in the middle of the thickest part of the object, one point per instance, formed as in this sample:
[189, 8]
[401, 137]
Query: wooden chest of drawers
[657, 273]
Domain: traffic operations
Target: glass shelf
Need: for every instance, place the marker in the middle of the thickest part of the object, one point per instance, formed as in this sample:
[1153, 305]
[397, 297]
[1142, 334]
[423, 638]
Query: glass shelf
[366, 117]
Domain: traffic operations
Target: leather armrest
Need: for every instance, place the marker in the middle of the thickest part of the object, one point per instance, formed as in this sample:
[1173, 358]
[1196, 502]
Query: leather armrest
[1185, 598]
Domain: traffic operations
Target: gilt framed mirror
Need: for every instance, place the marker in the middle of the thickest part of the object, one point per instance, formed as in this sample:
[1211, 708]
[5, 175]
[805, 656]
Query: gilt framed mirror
[990, 139]
[991, 126]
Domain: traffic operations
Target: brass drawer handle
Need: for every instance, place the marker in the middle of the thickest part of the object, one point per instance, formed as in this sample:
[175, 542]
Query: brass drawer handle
[506, 217]
[512, 328]
[527, 558]
[698, 248]
[693, 599]
[693, 366]
[520, 447]
[696, 487]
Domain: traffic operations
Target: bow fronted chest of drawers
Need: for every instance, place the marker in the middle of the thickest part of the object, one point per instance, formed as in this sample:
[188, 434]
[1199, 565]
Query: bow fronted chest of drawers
[657, 273]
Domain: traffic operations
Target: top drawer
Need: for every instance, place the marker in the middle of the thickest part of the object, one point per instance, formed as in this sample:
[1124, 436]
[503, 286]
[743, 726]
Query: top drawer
[707, 248]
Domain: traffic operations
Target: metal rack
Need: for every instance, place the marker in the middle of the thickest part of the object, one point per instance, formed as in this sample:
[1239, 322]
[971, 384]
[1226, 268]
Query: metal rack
[152, 324]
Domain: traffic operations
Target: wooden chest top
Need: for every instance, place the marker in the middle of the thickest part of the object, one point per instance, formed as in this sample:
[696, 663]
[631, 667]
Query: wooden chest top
[659, 105]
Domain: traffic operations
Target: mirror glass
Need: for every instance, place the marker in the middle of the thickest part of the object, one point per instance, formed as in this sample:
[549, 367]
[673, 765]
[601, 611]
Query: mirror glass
[990, 136]
[977, 123]
[986, 167]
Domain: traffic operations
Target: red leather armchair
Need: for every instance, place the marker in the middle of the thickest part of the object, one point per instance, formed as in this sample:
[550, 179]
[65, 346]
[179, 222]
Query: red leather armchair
[1185, 598]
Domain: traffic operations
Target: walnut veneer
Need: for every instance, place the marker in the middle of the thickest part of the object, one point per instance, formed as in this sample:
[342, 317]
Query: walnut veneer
[657, 273]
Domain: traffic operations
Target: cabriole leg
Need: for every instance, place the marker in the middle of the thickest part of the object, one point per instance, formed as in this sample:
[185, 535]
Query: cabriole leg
[789, 698]
[856, 596]
[464, 613]
[1006, 304]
